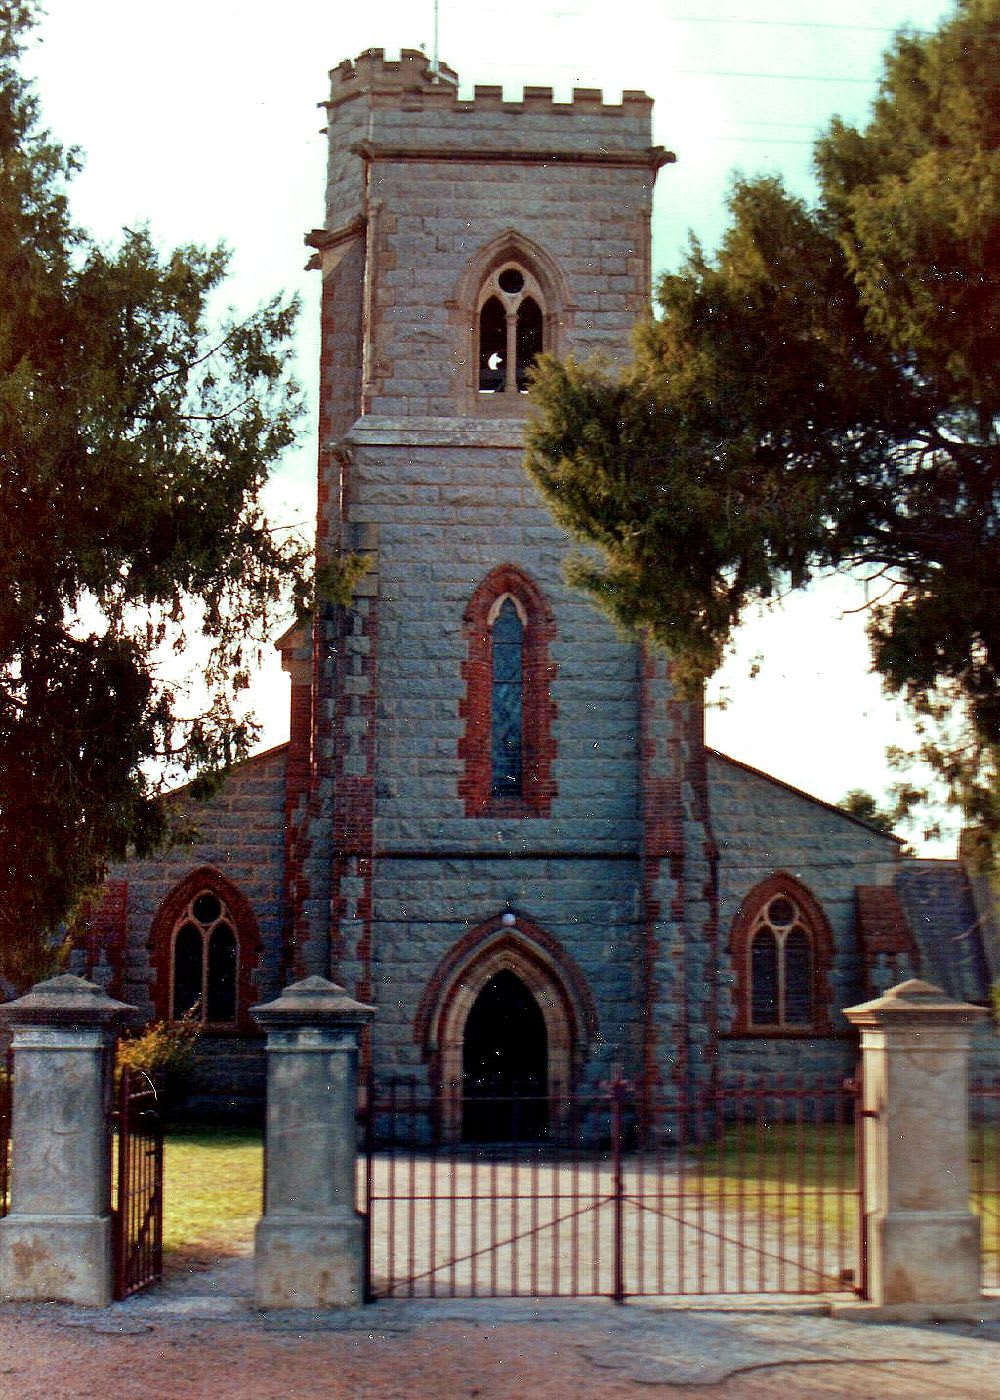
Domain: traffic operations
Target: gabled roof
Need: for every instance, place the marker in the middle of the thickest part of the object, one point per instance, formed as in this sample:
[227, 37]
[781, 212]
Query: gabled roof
[805, 796]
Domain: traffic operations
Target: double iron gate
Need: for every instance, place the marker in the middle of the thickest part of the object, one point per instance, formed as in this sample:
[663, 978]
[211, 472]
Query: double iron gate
[731, 1191]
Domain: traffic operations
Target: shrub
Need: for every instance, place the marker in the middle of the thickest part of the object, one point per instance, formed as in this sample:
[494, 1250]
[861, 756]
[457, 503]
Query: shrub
[165, 1051]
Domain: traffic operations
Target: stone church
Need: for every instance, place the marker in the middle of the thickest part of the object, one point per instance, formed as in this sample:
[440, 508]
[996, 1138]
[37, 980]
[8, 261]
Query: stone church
[493, 818]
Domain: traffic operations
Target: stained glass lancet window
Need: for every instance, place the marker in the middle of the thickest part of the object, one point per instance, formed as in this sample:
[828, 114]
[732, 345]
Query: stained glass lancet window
[798, 979]
[187, 969]
[507, 702]
[764, 978]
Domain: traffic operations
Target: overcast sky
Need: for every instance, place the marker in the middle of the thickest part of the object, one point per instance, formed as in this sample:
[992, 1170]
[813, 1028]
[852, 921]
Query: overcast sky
[199, 118]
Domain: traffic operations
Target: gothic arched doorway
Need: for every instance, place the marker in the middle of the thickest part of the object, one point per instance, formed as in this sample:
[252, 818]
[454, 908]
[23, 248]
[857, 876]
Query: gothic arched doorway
[534, 987]
[504, 1064]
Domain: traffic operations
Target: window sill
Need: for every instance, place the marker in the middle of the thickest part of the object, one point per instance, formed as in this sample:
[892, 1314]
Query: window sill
[489, 405]
[501, 807]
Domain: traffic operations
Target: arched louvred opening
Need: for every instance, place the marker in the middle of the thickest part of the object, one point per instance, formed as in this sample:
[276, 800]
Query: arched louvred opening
[504, 1065]
[187, 971]
[530, 338]
[798, 1009]
[221, 975]
[492, 347]
[507, 702]
[511, 326]
[764, 978]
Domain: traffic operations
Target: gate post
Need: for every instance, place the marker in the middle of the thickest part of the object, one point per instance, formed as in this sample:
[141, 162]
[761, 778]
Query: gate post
[309, 1243]
[922, 1239]
[56, 1241]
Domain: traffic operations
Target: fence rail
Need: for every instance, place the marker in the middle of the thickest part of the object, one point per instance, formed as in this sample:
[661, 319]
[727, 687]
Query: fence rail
[737, 1191]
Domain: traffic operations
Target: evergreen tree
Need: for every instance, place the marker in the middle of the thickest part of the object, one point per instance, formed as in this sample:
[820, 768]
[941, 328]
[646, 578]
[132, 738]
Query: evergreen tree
[822, 393]
[135, 437]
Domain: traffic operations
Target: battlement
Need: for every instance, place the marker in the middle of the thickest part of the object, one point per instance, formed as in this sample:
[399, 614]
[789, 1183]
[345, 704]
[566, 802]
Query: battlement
[412, 82]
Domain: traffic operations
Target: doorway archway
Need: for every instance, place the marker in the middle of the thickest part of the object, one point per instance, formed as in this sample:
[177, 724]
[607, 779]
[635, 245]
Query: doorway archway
[505, 1064]
[537, 967]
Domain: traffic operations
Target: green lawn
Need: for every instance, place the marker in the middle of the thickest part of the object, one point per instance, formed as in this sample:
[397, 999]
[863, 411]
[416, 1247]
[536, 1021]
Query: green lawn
[213, 1180]
[211, 1192]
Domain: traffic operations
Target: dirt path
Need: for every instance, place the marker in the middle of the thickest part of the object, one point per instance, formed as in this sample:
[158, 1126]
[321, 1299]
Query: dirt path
[200, 1336]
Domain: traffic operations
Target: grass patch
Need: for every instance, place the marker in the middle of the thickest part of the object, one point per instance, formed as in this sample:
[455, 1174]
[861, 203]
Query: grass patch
[211, 1192]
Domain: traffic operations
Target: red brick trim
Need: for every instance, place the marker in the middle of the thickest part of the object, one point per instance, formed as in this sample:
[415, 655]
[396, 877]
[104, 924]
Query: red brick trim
[529, 946]
[104, 930]
[206, 877]
[539, 710]
[818, 927]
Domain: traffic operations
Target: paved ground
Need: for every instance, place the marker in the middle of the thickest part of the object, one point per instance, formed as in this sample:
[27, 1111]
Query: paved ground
[200, 1336]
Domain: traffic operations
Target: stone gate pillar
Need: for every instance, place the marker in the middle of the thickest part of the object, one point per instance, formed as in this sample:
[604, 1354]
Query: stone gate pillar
[309, 1243]
[56, 1241]
[922, 1239]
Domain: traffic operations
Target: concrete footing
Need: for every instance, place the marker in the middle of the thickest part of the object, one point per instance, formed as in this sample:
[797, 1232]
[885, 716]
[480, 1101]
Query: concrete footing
[310, 1262]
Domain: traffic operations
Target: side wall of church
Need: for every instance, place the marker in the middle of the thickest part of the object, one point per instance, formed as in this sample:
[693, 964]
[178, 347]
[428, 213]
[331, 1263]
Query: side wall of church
[762, 827]
[240, 833]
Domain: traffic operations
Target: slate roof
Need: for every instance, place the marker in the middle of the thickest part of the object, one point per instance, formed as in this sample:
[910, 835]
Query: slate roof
[936, 898]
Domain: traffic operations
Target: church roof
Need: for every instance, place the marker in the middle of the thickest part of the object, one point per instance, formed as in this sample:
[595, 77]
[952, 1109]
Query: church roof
[806, 796]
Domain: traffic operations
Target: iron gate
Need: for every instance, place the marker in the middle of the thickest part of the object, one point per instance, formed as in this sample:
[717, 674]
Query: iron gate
[733, 1191]
[137, 1189]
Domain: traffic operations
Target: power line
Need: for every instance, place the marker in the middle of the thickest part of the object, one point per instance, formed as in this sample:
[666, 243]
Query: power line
[770, 77]
[790, 24]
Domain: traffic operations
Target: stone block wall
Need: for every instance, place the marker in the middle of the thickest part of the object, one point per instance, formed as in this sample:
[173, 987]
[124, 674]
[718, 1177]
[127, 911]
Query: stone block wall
[448, 505]
[240, 834]
[762, 826]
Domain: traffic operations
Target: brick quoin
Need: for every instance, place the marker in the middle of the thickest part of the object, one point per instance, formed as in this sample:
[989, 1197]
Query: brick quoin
[354, 806]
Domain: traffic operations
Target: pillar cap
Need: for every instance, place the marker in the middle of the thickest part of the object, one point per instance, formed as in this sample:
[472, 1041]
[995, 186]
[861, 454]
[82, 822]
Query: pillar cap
[915, 1003]
[67, 1001]
[312, 1002]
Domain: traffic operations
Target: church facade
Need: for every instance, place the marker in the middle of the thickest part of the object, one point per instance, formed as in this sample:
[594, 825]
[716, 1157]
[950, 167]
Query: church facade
[494, 819]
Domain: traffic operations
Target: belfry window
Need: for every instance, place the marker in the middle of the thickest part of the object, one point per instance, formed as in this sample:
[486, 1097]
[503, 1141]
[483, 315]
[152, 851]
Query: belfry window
[507, 702]
[205, 962]
[781, 967]
[511, 330]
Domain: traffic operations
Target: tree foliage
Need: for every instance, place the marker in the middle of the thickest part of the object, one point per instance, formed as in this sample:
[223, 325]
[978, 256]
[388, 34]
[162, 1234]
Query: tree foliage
[136, 434]
[821, 393]
[863, 805]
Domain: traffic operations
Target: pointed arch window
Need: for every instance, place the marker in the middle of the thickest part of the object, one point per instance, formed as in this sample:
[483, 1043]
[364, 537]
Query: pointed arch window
[511, 329]
[204, 946]
[507, 701]
[507, 746]
[205, 962]
[782, 947]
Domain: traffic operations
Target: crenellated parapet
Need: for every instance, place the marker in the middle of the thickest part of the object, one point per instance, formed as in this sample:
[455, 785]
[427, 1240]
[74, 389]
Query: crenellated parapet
[535, 125]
